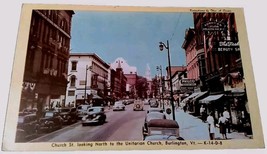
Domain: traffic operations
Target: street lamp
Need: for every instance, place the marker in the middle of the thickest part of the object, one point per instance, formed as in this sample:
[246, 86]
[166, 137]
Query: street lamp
[161, 47]
[161, 83]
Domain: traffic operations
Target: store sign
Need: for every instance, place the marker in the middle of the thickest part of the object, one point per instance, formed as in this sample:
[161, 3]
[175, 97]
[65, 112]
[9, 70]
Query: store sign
[188, 82]
[214, 26]
[227, 46]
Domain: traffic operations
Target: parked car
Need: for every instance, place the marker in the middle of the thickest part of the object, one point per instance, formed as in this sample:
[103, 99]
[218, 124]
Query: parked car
[138, 105]
[27, 126]
[50, 120]
[154, 103]
[69, 115]
[118, 106]
[151, 116]
[162, 129]
[82, 110]
[155, 110]
[28, 111]
[94, 115]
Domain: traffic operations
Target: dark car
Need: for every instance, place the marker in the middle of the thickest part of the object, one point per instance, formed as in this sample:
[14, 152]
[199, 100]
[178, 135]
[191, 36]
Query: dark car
[50, 120]
[82, 110]
[162, 129]
[28, 111]
[154, 103]
[26, 127]
[95, 115]
[69, 115]
[155, 110]
[150, 116]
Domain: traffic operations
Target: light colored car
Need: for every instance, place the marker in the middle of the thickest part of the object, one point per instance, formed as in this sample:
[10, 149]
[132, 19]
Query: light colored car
[138, 105]
[118, 106]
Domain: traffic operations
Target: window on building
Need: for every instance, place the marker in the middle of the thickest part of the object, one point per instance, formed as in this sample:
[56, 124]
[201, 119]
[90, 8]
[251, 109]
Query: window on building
[71, 93]
[72, 81]
[74, 65]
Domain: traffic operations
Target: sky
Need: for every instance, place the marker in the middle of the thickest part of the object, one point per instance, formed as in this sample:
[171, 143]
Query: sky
[134, 36]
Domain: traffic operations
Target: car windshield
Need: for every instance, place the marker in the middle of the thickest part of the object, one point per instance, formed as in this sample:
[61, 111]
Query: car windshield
[83, 107]
[49, 114]
[155, 115]
[94, 109]
[118, 103]
[163, 131]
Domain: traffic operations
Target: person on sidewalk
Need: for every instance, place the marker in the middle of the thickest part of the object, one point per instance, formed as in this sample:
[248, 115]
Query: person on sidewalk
[221, 123]
[202, 113]
[211, 125]
[226, 114]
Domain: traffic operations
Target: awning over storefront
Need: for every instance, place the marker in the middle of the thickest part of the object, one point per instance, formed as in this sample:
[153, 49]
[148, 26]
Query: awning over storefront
[190, 97]
[96, 97]
[200, 95]
[80, 96]
[211, 98]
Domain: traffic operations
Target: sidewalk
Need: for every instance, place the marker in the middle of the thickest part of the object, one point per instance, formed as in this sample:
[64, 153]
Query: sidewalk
[192, 128]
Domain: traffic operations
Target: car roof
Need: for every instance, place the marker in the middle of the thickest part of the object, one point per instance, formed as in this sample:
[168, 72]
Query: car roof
[165, 123]
[155, 115]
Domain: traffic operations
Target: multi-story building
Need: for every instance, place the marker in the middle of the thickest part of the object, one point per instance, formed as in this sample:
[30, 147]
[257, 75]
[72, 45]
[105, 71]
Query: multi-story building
[88, 78]
[217, 34]
[195, 58]
[119, 81]
[130, 72]
[45, 82]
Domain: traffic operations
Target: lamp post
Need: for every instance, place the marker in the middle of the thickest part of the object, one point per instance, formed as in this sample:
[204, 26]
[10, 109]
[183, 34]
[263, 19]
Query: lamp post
[161, 47]
[161, 85]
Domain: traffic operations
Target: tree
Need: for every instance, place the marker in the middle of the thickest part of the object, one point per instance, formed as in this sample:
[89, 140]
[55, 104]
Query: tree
[141, 86]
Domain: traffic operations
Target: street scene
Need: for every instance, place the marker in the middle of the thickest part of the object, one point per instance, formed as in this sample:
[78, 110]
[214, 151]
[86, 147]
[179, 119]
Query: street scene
[133, 76]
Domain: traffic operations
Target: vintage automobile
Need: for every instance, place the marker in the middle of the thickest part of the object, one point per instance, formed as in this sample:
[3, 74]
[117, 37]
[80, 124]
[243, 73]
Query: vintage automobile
[50, 120]
[154, 110]
[162, 129]
[138, 105]
[69, 114]
[118, 106]
[95, 115]
[28, 111]
[151, 116]
[82, 110]
[26, 127]
[154, 103]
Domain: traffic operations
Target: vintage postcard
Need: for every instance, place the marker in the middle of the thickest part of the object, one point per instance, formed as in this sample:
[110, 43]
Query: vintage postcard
[131, 78]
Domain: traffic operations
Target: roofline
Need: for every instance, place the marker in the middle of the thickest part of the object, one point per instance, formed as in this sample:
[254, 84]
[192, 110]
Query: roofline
[90, 54]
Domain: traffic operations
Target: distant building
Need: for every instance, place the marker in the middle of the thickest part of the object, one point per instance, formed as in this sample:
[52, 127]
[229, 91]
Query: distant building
[88, 78]
[174, 70]
[130, 72]
[44, 81]
[119, 81]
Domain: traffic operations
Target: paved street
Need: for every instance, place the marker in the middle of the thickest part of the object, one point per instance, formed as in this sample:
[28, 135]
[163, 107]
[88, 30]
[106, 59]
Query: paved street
[120, 126]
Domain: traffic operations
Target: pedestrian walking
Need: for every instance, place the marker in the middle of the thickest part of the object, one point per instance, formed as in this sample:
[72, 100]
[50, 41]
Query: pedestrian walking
[211, 125]
[226, 114]
[221, 123]
[202, 113]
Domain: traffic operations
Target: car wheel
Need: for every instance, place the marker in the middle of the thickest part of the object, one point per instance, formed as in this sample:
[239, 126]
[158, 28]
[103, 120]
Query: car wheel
[180, 138]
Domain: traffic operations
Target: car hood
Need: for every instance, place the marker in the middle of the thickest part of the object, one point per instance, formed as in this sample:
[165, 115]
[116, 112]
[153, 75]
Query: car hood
[91, 113]
[46, 118]
[64, 113]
